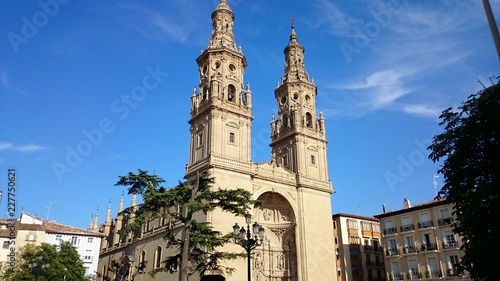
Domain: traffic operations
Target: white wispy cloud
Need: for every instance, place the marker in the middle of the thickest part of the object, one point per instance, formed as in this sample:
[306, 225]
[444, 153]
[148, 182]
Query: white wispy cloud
[4, 79]
[417, 58]
[423, 110]
[380, 89]
[163, 23]
[332, 19]
[24, 148]
[5, 145]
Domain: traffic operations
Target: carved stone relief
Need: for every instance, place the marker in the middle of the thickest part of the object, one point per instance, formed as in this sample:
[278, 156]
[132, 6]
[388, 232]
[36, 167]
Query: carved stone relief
[276, 258]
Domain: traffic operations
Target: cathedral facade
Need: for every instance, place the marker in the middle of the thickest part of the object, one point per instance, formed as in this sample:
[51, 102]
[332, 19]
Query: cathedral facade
[293, 186]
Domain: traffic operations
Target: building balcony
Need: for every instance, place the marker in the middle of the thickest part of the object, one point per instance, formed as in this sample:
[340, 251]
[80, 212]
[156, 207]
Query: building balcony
[429, 247]
[409, 249]
[392, 252]
[445, 221]
[390, 231]
[368, 248]
[396, 276]
[454, 272]
[414, 275]
[425, 224]
[434, 274]
[407, 228]
[450, 245]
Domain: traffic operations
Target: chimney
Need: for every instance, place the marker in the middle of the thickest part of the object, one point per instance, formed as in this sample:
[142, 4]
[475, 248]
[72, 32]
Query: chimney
[383, 208]
[406, 203]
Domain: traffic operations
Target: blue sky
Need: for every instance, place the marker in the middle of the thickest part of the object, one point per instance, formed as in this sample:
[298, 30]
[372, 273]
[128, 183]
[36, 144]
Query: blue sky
[385, 70]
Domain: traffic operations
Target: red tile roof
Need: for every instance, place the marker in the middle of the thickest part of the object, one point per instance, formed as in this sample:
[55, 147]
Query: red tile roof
[47, 227]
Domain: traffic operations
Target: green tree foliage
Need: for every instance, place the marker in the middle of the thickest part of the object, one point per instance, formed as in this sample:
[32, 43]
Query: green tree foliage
[47, 263]
[470, 150]
[195, 243]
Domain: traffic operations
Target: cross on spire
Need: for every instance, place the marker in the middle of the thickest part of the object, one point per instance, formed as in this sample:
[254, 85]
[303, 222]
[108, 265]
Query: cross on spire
[292, 21]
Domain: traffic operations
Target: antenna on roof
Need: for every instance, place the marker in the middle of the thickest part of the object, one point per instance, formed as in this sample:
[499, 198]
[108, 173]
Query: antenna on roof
[48, 208]
[435, 183]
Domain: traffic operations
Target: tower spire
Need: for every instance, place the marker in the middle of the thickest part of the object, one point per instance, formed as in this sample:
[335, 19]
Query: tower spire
[96, 220]
[295, 70]
[120, 205]
[298, 135]
[221, 112]
[222, 23]
[108, 213]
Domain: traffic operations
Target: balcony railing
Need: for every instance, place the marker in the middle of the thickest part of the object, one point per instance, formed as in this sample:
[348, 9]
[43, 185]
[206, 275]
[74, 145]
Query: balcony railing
[456, 271]
[445, 221]
[406, 228]
[391, 230]
[429, 247]
[413, 275]
[410, 249]
[450, 245]
[398, 276]
[425, 224]
[392, 252]
[434, 273]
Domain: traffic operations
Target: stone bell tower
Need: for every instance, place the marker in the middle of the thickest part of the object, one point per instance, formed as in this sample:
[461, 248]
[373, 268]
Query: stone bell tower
[298, 136]
[221, 106]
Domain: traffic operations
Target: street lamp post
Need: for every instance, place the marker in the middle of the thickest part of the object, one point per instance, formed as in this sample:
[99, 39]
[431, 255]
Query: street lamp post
[245, 239]
[38, 267]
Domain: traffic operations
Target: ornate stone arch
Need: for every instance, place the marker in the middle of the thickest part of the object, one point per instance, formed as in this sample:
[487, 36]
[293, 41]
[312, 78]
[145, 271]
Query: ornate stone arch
[276, 259]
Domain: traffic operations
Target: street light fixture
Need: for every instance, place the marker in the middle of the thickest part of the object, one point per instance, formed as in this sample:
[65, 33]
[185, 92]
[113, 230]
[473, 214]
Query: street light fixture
[38, 267]
[244, 238]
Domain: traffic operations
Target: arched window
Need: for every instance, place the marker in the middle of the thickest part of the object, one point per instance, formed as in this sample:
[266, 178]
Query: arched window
[309, 120]
[158, 257]
[285, 120]
[205, 93]
[231, 93]
[244, 97]
[142, 262]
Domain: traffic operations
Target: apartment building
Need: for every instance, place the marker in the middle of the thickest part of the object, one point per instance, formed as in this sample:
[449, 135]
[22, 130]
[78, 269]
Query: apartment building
[30, 229]
[359, 254]
[419, 242]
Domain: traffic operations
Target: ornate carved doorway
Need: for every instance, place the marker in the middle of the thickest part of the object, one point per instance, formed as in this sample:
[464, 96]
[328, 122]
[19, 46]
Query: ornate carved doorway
[276, 259]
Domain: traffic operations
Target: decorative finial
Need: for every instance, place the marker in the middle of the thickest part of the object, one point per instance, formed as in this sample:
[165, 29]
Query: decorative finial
[292, 21]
